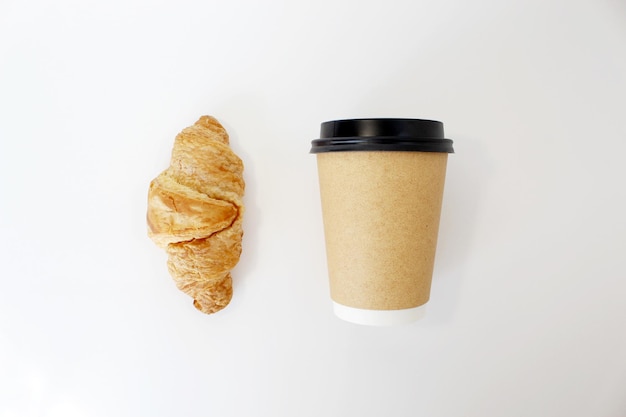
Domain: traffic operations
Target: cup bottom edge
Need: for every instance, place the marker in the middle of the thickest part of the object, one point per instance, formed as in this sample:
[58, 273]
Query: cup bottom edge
[379, 317]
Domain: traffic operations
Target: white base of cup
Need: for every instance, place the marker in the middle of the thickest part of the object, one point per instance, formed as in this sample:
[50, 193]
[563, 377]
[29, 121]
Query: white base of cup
[379, 317]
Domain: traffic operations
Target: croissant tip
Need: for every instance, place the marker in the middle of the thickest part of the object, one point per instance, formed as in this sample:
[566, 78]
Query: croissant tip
[210, 309]
[211, 124]
[208, 121]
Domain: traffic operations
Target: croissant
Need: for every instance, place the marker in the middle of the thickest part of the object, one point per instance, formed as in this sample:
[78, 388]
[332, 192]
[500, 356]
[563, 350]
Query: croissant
[195, 213]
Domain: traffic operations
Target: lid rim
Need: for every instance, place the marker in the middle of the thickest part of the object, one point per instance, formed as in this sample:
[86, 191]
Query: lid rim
[404, 144]
[382, 134]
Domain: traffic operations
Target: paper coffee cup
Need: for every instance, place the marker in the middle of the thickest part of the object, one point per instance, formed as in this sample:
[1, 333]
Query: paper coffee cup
[381, 185]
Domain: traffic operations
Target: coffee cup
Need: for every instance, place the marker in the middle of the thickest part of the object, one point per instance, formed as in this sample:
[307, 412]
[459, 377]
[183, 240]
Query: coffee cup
[381, 187]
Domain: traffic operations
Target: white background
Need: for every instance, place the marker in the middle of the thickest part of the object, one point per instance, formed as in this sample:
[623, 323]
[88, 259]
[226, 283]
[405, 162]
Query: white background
[528, 308]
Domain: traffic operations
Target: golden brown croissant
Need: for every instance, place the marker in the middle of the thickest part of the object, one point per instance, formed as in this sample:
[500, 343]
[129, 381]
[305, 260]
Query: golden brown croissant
[195, 212]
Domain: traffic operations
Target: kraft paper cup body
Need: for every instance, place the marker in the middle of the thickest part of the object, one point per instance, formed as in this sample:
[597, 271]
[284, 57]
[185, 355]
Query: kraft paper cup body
[381, 210]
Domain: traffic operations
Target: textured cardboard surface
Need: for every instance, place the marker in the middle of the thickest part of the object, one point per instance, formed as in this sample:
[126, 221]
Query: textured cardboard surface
[381, 217]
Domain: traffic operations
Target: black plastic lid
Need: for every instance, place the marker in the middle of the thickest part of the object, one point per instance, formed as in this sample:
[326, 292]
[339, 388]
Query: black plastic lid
[414, 135]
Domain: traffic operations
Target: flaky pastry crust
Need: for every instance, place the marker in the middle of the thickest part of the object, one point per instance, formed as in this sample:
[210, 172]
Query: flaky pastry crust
[195, 212]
